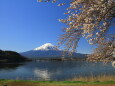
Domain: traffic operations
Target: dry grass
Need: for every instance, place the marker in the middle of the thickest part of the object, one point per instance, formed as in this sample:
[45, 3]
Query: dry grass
[50, 84]
[102, 80]
[95, 78]
[98, 85]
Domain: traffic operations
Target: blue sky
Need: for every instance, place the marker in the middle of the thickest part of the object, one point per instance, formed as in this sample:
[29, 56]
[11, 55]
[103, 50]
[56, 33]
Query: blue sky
[27, 24]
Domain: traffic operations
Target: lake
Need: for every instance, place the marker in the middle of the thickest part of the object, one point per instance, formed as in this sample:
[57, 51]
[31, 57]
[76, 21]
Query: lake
[54, 70]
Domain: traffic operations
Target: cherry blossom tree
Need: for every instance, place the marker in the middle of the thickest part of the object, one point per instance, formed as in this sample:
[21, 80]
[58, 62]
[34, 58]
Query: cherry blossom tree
[104, 51]
[91, 19]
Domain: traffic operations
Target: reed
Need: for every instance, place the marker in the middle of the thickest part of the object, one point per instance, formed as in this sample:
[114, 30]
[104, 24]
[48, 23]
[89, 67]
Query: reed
[100, 80]
[53, 83]
[92, 78]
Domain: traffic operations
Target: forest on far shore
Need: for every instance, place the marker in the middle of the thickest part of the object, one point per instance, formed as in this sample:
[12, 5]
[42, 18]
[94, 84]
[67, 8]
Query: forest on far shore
[11, 56]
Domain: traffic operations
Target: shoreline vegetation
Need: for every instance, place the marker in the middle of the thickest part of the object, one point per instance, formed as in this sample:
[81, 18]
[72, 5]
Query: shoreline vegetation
[11, 57]
[14, 57]
[60, 59]
[102, 80]
[4, 82]
[92, 78]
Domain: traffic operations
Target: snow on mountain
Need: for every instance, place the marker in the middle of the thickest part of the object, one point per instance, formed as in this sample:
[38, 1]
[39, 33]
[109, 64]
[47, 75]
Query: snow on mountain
[47, 46]
[48, 51]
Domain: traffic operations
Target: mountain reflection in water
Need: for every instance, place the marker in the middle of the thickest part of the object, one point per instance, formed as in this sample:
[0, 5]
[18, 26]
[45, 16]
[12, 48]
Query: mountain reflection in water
[55, 70]
[9, 66]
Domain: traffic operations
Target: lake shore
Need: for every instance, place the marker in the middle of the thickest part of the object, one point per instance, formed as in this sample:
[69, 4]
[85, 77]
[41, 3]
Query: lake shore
[60, 59]
[102, 80]
[54, 70]
[54, 83]
[92, 78]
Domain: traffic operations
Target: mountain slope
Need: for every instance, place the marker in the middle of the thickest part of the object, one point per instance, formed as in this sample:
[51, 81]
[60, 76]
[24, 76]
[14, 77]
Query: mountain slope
[11, 56]
[49, 51]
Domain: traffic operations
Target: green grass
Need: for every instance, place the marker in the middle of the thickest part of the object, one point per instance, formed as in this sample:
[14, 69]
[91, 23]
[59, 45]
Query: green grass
[50, 83]
[101, 80]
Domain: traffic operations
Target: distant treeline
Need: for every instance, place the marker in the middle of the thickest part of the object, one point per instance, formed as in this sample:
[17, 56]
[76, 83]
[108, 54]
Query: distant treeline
[11, 56]
[59, 59]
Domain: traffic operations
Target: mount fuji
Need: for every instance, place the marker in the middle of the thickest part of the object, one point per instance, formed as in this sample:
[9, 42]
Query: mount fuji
[46, 47]
[49, 51]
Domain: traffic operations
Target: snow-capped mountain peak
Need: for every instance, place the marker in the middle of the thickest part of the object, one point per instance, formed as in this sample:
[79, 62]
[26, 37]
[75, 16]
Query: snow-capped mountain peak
[47, 46]
[48, 51]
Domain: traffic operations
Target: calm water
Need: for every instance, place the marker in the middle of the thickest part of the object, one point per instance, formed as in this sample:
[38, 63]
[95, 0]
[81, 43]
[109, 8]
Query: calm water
[54, 70]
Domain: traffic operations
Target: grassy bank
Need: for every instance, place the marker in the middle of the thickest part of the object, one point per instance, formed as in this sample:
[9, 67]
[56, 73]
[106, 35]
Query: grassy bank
[92, 78]
[102, 80]
[53, 83]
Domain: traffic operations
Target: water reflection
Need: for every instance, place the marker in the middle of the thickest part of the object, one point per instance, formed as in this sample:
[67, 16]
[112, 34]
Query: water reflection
[66, 70]
[8, 66]
[44, 74]
[52, 70]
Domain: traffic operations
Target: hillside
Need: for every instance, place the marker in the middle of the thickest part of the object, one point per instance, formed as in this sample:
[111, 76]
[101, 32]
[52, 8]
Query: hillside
[11, 56]
[50, 51]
